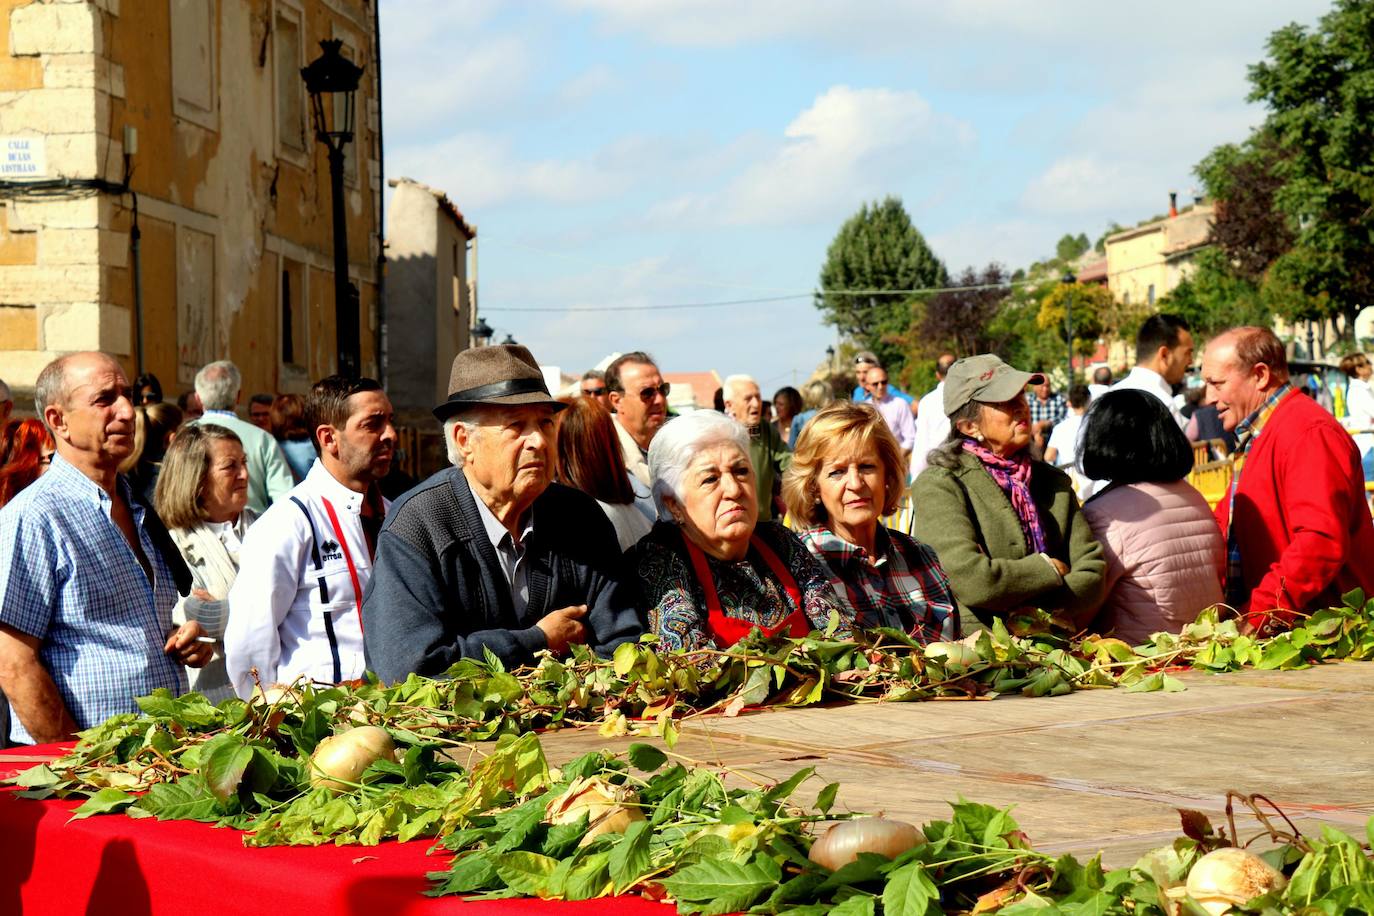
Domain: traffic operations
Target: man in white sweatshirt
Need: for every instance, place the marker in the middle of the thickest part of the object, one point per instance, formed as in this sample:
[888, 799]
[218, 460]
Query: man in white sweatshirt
[295, 608]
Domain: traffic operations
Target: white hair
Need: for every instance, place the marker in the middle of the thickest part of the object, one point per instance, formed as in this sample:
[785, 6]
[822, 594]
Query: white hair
[218, 384]
[471, 420]
[679, 441]
[736, 381]
[5, 392]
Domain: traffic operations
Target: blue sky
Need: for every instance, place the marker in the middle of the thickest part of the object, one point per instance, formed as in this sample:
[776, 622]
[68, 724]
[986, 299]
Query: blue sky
[624, 153]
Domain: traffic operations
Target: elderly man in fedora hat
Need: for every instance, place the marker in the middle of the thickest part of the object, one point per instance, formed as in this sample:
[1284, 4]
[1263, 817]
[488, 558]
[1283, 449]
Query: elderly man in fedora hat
[490, 554]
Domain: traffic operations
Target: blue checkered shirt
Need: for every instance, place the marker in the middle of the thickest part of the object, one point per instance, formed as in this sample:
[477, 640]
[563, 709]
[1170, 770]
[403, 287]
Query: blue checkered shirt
[68, 577]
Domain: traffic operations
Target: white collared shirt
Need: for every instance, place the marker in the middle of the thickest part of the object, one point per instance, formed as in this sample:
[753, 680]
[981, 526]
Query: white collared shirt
[293, 609]
[1142, 379]
[932, 427]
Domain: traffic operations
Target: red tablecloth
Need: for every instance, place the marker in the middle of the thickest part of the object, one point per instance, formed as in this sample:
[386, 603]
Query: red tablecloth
[117, 865]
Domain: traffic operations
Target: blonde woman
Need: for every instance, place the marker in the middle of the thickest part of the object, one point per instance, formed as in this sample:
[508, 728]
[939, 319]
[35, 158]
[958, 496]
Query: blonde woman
[848, 472]
[202, 498]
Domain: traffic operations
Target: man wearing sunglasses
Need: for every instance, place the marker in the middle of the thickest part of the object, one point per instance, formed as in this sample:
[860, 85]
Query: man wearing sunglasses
[894, 410]
[639, 397]
[594, 387]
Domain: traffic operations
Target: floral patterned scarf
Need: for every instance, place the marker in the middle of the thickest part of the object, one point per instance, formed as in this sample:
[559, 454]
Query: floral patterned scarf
[1013, 476]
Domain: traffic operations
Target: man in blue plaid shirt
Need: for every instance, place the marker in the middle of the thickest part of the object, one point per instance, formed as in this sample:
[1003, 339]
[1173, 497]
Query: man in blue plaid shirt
[1046, 409]
[86, 581]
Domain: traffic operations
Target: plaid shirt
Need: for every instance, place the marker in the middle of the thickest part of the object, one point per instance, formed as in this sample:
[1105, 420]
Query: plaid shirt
[1054, 410]
[905, 588]
[1246, 433]
[70, 579]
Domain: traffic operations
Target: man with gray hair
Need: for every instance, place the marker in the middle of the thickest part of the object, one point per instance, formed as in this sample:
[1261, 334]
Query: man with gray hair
[490, 555]
[219, 387]
[769, 454]
[88, 575]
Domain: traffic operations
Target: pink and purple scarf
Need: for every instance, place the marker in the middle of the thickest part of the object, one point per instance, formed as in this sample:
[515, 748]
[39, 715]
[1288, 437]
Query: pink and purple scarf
[1013, 476]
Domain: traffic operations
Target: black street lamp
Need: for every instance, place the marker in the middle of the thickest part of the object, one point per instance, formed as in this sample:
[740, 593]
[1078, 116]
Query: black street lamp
[482, 332]
[829, 360]
[509, 341]
[327, 76]
[1069, 280]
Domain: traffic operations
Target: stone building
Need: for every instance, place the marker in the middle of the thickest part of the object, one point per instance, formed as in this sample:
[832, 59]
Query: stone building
[430, 297]
[187, 121]
[1145, 263]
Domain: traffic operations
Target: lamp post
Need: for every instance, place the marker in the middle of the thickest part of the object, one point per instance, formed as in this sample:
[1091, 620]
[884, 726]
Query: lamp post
[326, 77]
[509, 341]
[482, 332]
[1069, 280]
[829, 360]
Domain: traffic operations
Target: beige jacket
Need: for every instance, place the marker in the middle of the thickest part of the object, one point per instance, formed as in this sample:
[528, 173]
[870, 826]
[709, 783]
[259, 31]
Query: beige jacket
[635, 461]
[1165, 556]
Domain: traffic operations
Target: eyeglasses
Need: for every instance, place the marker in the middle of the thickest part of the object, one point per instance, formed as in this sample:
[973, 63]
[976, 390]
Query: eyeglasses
[882, 384]
[647, 394]
[593, 392]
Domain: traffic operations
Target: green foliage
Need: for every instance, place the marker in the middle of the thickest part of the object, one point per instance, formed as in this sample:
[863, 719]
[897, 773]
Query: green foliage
[877, 249]
[1296, 197]
[1214, 297]
[1070, 247]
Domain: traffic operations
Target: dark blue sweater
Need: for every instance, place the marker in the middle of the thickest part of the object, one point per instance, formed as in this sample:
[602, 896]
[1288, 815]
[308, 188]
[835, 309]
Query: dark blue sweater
[438, 594]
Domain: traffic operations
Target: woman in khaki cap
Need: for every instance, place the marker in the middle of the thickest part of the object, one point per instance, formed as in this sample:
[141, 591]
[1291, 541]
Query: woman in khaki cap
[1008, 529]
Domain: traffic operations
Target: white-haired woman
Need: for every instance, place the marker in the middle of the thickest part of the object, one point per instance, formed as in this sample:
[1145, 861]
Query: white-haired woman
[714, 571]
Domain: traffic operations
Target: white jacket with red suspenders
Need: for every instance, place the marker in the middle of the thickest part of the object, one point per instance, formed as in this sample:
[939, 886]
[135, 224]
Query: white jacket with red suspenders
[295, 608]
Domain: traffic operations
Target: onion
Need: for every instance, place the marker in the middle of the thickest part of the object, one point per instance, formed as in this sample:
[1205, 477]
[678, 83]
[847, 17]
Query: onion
[953, 654]
[609, 808]
[1230, 876]
[843, 842]
[341, 759]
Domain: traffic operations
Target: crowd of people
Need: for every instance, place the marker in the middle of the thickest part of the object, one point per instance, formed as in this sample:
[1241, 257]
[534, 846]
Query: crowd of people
[145, 545]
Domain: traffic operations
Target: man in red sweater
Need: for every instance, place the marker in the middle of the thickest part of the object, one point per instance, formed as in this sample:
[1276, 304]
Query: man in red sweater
[1298, 532]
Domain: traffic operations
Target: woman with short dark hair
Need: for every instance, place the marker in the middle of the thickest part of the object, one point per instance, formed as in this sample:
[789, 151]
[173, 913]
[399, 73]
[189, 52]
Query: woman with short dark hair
[1165, 553]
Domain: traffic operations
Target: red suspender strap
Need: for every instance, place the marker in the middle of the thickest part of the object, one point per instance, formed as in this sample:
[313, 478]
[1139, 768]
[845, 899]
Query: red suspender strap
[727, 631]
[348, 558]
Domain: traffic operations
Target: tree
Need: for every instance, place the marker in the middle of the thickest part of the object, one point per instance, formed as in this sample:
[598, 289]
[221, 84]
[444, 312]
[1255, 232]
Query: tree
[958, 319]
[1091, 304]
[1071, 247]
[877, 249]
[1314, 158]
[1215, 297]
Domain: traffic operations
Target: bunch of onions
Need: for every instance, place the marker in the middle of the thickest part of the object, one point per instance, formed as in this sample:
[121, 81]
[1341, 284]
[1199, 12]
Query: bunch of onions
[609, 808]
[843, 842]
[1229, 877]
[340, 760]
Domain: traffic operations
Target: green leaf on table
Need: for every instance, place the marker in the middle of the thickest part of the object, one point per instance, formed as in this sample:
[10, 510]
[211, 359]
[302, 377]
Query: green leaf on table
[858, 905]
[561, 839]
[472, 872]
[783, 790]
[187, 799]
[37, 777]
[825, 800]
[909, 891]
[646, 757]
[106, 801]
[526, 872]
[867, 866]
[223, 760]
[629, 858]
[716, 886]
[589, 878]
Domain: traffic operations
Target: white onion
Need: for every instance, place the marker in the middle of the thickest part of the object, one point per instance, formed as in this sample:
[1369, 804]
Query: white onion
[1230, 876]
[843, 842]
[953, 654]
[341, 759]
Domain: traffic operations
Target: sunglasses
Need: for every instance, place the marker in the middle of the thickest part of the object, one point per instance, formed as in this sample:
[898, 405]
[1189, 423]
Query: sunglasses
[593, 392]
[647, 394]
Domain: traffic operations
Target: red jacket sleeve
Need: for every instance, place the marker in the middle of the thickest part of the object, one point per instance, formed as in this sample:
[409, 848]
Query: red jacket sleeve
[1316, 486]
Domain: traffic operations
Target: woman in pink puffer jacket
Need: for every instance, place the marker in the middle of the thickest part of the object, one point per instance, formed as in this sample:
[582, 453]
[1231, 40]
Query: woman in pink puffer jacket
[1165, 553]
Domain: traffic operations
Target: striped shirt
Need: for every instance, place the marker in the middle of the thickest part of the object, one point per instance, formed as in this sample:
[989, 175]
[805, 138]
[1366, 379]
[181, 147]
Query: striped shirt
[904, 588]
[69, 578]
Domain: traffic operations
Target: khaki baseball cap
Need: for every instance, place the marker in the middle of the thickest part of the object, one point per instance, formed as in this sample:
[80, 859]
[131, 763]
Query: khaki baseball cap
[984, 378]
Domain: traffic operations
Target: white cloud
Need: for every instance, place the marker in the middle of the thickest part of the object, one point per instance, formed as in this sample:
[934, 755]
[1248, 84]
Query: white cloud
[849, 146]
[588, 84]
[478, 170]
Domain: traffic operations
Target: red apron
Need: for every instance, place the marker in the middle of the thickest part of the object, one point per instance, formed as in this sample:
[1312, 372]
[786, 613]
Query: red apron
[726, 631]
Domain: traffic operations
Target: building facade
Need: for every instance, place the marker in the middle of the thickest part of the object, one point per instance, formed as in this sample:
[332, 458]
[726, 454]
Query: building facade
[1145, 263]
[177, 208]
[430, 256]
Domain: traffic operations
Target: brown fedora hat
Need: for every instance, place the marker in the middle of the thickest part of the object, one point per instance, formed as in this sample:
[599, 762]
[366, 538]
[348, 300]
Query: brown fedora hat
[502, 374]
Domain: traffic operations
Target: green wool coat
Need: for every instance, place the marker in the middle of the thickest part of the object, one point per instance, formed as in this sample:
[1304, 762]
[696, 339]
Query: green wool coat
[970, 523]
